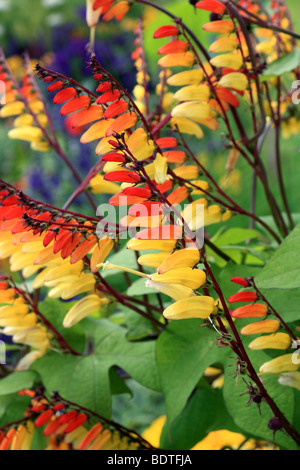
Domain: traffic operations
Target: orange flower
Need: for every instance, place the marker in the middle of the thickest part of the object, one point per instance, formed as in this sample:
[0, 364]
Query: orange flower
[75, 104]
[243, 297]
[250, 311]
[165, 31]
[64, 95]
[212, 5]
[173, 47]
[220, 26]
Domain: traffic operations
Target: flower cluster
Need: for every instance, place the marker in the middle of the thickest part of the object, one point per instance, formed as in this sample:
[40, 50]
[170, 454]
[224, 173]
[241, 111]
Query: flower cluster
[66, 427]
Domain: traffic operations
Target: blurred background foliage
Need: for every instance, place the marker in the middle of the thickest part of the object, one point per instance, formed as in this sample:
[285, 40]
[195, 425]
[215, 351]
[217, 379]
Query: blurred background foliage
[54, 32]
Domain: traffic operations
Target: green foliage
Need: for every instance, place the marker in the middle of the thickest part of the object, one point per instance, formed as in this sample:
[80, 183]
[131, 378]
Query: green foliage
[283, 269]
[86, 380]
[184, 351]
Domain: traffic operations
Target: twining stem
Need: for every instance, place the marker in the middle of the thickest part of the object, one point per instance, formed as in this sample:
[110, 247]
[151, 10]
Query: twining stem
[52, 140]
[277, 315]
[254, 19]
[236, 344]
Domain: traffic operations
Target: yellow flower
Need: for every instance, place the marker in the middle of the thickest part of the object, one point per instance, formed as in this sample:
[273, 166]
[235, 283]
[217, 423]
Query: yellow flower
[224, 44]
[235, 80]
[291, 379]
[193, 307]
[83, 308]
[27, 133]
[192, 278]
[274, 341]
[161, 245]
[193, 93]
[140, 145]
[265, 326]
[217, 440]
[100, 186]
[153, 433]
[161, 168]
[180, 59]
[12, 109]
[280, 364]
[189, 77]
[185, 258]
[194, 110]
[175, 291]
[233, 60]
[186, 126]
[153, 260]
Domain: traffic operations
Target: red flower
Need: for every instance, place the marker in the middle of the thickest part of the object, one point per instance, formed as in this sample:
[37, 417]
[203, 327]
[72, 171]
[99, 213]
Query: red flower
[75, 104]
[115, 109]
[243, 297]
[123, 177]
[76, 423]
[165, 31]
[240, 280]
[212, 5]
[44, 418]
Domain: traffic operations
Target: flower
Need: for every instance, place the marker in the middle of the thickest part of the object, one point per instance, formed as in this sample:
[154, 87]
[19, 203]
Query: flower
[192, 307]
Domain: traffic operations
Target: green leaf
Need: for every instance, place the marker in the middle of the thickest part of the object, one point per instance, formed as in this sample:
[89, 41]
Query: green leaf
[55, 311]
[235, 236]
[12, 408]
[86, 379]
[283, 269]
[183, 352]
[247, 417]
[282, 65]
[139, 288]
[17, 381]
[285, 302]
[204, 413]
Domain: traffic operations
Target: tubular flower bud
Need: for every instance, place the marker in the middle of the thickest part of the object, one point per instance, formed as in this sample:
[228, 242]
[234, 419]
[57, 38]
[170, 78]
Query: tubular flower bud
[274, 341]
[192, 307]
[194, 110]
[193, 93]
[161, 245]
[192, 278]
[166, 31]
[175, 291]
[290, 379]
[180, 59]
[243, 297]
[220, 26]
[44, 418]
[83, 308]
[265, 326]
[250, 311]
[91, 436]
[161, 168]
[152, 261]
[240, 281]
[224, 44]
[189, 77]
[232, 60]
[212, 5]
[235, 80]
[280, 364]
[185, 258]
